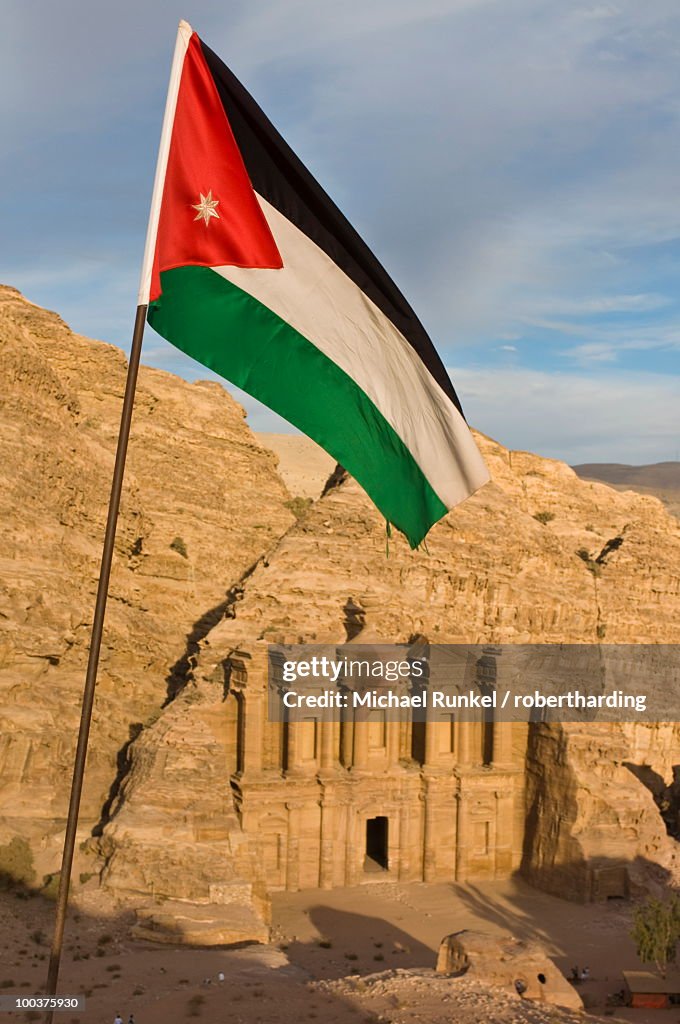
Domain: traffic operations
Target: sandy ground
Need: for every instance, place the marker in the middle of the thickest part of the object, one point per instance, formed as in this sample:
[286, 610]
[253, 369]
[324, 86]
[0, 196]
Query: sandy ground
[344, 956]
[401, 926]
[303, 465]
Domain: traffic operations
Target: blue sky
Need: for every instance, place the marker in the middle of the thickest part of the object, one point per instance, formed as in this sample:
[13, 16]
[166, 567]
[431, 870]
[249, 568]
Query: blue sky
[514, 163]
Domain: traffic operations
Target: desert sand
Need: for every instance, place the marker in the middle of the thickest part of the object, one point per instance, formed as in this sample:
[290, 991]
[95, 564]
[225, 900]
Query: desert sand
[359, 954]
[303, 466]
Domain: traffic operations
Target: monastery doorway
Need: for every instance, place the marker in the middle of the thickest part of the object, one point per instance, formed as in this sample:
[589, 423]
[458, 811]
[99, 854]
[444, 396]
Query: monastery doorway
[377, 832]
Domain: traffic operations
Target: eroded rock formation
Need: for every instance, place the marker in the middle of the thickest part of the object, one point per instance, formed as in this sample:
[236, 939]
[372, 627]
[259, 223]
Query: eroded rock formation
[598, 563]
[202, 501]
[518, 967]
[191, 794]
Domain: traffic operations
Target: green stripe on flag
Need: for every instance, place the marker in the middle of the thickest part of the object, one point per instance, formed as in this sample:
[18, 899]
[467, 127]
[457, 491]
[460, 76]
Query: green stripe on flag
[243, 341]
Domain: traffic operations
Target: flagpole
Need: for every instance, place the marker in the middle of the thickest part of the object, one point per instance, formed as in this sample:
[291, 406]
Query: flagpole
[93, 658]
[184, 33]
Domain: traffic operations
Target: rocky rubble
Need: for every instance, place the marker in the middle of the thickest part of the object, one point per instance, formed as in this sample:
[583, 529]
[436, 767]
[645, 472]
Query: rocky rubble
[402, 996]
[515, 966]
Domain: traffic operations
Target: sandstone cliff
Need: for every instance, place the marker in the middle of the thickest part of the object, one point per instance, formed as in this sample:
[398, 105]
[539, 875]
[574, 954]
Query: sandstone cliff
[595, 564]
[202, 501]
[210, 560]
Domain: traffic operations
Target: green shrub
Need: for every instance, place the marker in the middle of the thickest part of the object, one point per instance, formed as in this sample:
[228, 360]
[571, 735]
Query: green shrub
[180, 547]
[298, 506]
[50, 889]
[16, 864]
[590, 562]
[656, 931]
[544, 517]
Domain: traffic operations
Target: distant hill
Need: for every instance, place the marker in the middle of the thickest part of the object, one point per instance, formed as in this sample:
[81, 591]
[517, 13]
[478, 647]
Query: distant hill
[661, 479]
[303, 466]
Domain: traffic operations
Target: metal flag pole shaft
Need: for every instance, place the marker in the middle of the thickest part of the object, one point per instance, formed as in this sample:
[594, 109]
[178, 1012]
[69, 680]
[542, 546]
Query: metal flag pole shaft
[93, 659]
[184, 33]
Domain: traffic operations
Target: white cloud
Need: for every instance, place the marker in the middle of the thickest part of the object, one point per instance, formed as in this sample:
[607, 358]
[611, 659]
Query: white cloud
[604, 304]
[513, 163]
[593, 352]
[632, 418]
[617, 417]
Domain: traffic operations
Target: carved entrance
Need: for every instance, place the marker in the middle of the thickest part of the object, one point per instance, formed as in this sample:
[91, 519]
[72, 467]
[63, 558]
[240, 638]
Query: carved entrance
[377, 858]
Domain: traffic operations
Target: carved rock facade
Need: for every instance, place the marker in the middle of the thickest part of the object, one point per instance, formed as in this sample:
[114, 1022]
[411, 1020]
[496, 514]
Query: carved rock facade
[194, 797]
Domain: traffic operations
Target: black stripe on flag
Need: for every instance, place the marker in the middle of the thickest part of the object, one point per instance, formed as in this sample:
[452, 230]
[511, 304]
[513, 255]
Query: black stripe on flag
[281, 178]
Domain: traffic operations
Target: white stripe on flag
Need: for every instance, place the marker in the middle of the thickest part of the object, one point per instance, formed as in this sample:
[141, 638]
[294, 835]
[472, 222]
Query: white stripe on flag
[313, 295]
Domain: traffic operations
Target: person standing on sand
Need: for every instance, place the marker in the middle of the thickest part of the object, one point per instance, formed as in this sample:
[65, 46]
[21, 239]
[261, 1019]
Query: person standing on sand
[118, 1020]
[131, 1020]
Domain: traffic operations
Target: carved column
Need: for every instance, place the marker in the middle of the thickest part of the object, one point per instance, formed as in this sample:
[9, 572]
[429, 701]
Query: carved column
[404, 842]
[326, 859]
[504, 831]
[430, 743]
[464, 737]
[429, 836]
[252, 733]
[502, 743]
[351, 824]
[462, 838]
[327, 758]
[293, 847]
[405, 733]
[293, 760]
[393, 730]
[360, 752]
[347, 740]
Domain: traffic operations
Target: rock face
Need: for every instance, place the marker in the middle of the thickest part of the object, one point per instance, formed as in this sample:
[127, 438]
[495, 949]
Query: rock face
[517, 967]
[192, 795]
[304, 466]
[492, 573]
[202, 501]
[595, 564]
[594, 831]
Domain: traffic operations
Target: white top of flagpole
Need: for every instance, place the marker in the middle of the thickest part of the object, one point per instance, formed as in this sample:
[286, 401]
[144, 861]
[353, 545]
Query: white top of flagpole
[184, 34]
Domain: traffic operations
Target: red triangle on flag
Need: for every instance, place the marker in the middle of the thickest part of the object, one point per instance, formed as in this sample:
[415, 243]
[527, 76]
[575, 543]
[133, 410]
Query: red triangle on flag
[209, 214]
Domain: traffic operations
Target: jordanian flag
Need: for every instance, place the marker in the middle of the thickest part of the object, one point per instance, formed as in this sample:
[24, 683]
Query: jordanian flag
[252, 270]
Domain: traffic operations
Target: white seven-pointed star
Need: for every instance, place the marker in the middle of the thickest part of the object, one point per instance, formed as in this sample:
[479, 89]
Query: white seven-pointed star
[206, 208]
